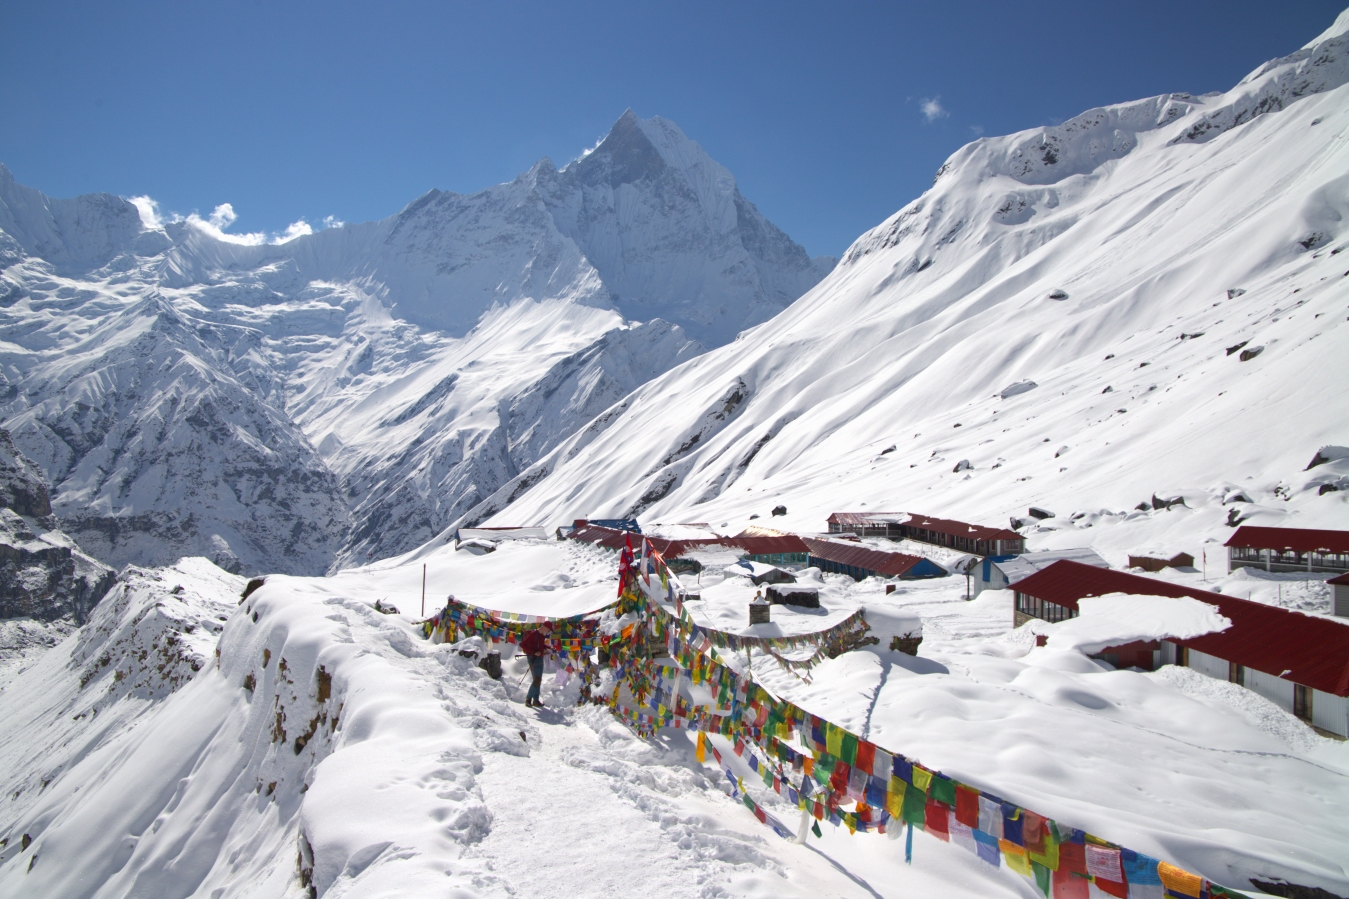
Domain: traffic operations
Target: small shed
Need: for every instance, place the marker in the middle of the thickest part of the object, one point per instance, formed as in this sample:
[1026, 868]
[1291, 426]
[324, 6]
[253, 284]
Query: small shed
[799, 595]
[1157, 561]
[759, 573]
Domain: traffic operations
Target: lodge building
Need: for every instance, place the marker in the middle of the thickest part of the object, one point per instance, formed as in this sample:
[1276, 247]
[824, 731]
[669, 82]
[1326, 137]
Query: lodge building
[1299, 662]
[958, 535]
[1288, 549]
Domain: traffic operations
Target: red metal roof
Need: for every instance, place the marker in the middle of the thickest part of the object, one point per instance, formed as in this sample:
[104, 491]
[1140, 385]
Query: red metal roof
[1302, 540]
[1341, 581]
[673, 549]
[960, 528]
[609, 538]
[1313, 651]
[853, 519]
[883, 563]
[768, 546]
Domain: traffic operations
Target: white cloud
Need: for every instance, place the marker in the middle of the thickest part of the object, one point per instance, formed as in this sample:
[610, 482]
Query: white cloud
[149, 212]
[932, 109]
[152, 218]
[223, 216]
[296, 229]
[977, 130]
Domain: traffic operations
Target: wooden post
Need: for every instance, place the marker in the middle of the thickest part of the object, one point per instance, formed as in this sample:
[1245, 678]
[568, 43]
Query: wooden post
[423, 589]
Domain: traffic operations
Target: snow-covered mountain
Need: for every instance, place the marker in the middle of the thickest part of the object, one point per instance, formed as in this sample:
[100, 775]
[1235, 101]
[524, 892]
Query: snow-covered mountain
[1147, 299]
[345, 394]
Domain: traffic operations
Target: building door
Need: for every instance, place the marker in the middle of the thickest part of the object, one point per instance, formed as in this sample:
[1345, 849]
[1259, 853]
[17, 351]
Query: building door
[1302, 702]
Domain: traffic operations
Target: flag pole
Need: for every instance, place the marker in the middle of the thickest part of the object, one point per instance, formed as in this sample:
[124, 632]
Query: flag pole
[423, 589]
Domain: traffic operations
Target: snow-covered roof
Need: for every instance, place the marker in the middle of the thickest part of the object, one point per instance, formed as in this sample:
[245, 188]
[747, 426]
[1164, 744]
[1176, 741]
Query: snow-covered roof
[1026, 564]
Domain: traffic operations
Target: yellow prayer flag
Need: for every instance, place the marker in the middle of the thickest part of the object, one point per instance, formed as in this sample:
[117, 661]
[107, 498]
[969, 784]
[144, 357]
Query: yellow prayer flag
[894, 798]
[1015, 857]
[921, 778]
[833, 740]
[1178, 880]
[701, 751]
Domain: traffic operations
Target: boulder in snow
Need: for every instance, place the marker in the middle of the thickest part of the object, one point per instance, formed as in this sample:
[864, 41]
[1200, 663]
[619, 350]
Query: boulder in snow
[1037, 512]
[1019, 387]
[1248, 355]
[963, 465]
[1327, 454]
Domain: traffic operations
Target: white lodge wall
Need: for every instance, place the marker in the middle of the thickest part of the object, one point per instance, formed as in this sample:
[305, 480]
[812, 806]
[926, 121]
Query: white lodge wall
[1275, 689]
[1329, 712]
[1210, 665]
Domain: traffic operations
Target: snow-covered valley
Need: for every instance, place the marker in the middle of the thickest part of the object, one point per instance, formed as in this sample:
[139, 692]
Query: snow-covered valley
[1134, 321]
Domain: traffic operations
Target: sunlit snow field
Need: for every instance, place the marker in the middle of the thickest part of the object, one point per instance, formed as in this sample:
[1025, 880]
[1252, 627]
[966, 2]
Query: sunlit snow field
[435, 771]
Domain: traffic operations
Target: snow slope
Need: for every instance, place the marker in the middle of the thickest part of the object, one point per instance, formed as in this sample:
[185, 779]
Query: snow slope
[345, 394]
[1161, 282]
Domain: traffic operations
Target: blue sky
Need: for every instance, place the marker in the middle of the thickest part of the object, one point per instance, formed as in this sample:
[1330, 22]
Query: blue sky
[297, 110]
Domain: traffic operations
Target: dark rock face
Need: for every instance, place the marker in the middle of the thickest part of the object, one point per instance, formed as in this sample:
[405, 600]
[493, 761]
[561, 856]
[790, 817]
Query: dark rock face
[43, 575]
[22, 488]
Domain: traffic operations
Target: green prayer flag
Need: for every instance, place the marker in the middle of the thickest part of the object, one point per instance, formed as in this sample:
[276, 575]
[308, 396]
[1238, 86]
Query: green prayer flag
[848, 749]
[1042, 877]
[815, 829]
[943, 790]
[915, 805]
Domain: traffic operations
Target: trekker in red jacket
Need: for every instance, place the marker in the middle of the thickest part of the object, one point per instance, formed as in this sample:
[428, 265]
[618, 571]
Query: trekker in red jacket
[535, 645]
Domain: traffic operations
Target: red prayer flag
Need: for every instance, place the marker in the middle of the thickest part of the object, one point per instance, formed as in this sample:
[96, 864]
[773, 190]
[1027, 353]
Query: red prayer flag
[1111, 888]
[866, 755]
[967, 807]
[1068, 885]
[1033, 832]
[936, 819]
[1073, 857]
